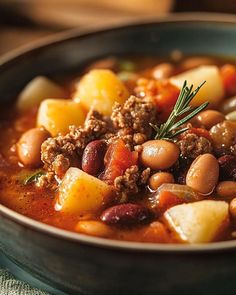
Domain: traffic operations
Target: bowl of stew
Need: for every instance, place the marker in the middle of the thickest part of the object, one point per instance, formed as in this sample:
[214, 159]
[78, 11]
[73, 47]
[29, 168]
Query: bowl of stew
[118, 158]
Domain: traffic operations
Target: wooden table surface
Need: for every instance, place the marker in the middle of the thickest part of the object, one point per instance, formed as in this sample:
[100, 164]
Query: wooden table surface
[23, 21]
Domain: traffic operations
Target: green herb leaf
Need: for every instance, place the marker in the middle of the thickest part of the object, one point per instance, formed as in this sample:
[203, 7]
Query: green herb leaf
[182, 107]
[126, 65]
[33, 177]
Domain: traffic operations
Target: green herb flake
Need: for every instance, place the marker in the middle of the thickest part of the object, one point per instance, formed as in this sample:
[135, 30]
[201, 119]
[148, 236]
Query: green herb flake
[33, 177]
[126, 65]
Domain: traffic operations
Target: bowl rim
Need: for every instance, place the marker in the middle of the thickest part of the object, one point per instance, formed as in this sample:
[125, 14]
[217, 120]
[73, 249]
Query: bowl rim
[59, 233]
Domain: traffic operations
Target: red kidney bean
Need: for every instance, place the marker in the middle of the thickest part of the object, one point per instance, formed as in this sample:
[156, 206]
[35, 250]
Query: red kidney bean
[126, 214]
[227, 167]
[93, 155]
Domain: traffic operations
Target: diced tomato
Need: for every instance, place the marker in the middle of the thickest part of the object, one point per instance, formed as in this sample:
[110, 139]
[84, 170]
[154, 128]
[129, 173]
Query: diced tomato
[228, 74]
[167, 95]
[165, 99]
[117, 159]
[200, 132]
[167, 200]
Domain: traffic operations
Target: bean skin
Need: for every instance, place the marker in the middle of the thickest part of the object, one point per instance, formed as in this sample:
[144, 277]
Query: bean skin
[226, 189]
[163, 71]
[126, 214]
[159, 154]
[29, 146]
[93, 156]
[93, 228]
[210, 118]
[232, 208]
[203, 174]
[157, 179]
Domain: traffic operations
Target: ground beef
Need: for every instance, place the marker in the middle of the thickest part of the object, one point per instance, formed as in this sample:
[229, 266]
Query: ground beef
[192, 145]
[127, 183]
[63, 151]
[144, 176]
[131, 181]
[134, 116]
[129, 122]
[47, 181]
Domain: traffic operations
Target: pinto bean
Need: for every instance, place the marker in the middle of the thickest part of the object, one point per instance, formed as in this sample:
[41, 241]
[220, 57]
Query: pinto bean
[223, 134]
[228, 105]
[159, 154]
[29, 146]
[231, 116]
[93, 228]
[210, 118]
[226, 189]
[93, 156]
[157, 179]
[196, 61]
[126, 214]
[232, 208]
[163, 71]
[203, 174]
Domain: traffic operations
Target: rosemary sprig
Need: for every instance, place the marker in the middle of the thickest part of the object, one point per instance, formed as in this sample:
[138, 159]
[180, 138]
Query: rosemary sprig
[168, 130]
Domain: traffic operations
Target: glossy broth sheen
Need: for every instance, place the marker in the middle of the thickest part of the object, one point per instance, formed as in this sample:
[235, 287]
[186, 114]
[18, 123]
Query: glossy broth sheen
[39, 203]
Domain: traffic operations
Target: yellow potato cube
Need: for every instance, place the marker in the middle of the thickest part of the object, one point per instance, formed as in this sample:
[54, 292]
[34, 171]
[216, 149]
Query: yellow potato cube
[56, 115]
[198, 222]
[80, 192]
[212, 90]
[36, 91]
[100, 89]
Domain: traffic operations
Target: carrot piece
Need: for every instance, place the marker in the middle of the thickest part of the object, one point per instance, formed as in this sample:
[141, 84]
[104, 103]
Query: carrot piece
[228, 74]
[117, 159]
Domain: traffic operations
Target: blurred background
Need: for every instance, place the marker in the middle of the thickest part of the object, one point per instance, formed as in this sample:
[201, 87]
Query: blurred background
[23, 21]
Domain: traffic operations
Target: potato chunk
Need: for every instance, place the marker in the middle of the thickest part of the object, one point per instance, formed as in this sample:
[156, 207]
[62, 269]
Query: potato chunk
[56, 115]
[198, 222]
[100, 89]
[37, 90]
[80, 192]
[212, 90]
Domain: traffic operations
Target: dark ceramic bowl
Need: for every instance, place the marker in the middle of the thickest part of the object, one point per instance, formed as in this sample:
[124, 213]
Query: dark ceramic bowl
[77, 264]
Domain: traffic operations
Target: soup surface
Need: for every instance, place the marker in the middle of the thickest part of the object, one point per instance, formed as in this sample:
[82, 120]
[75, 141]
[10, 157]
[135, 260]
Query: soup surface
[137, 149]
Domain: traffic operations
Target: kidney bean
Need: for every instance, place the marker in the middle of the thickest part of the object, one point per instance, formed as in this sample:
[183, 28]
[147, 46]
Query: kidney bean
[203, 174]
[227, 167]
[93, 155]
[126, 214]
